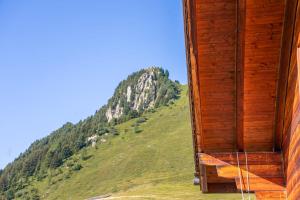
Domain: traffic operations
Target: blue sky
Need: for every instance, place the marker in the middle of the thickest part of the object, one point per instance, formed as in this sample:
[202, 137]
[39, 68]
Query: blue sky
[60, 60]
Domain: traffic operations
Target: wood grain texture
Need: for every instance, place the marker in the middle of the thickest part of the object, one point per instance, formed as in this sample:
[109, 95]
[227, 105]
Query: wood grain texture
[261, 171]
[222, 187]
[270, 195]
[216, 43]
[240, 48]
[254, 158]
[244, 91]
[234, 81]
[260, 184]
[267, 170]
[213, 176]
[264, 20]
[286, 49]
[291, 128]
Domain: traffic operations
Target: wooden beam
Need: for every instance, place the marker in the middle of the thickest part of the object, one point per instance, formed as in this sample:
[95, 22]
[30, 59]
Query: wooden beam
[203, 179]
[285, 58]
[261, 184]
[241, 18]
[270, 195]
[255, 158]
[221, 187]
[194, 93]
[298, 61]
[213, 177]
[232, 171]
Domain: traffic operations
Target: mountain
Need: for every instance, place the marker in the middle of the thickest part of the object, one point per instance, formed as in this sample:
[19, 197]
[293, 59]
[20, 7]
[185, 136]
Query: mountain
[146, 157]
[141, 92]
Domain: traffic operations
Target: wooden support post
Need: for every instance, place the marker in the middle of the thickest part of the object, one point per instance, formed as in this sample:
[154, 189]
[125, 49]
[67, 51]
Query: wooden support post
[203, 179]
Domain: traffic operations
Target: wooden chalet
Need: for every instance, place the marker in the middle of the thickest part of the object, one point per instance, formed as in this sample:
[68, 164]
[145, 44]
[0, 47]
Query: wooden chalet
[244, 70]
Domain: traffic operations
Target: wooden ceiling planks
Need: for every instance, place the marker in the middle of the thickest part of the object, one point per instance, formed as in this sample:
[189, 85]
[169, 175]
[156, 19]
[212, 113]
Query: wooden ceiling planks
[263, 31]
[238, 51]
[216, 42]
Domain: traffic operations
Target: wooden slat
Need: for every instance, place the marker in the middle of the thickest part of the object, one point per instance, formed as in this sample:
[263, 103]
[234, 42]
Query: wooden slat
[293, 173]
[261, 184]
[270, 195]
[221, 187]
[258, 158]
[232, 171]
[213, 177]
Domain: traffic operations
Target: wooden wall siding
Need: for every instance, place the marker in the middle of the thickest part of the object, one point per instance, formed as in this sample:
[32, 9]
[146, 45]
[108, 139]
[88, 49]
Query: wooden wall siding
[291, 133]
[292, 96]
[263, 31]
[293, 173]
[216, 42]
[287, 40]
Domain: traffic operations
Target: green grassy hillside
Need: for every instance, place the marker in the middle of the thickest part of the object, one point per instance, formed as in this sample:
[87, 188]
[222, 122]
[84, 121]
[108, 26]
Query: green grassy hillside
[153, 162]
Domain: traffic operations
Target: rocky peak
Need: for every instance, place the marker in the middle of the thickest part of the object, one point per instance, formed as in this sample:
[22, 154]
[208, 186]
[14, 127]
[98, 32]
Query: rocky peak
[141, 91]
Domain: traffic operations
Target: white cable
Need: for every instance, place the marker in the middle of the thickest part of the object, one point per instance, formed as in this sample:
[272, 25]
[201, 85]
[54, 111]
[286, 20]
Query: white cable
[248, 186]
[240, 175]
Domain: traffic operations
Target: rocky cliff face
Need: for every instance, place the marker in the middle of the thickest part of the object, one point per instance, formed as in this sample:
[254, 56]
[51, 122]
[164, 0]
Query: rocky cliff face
[141, 91]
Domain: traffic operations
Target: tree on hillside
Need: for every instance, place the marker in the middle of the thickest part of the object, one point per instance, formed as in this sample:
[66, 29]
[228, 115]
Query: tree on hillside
[167, 74]
[80, 142]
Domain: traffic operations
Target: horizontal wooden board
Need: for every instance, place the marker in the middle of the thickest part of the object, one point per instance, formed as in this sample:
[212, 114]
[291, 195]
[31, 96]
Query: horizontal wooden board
[261, 184]
[270, 195]
[258, 158]
[233, 171]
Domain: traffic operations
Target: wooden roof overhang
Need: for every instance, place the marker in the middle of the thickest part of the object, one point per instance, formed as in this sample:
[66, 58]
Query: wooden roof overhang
[242, 79]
